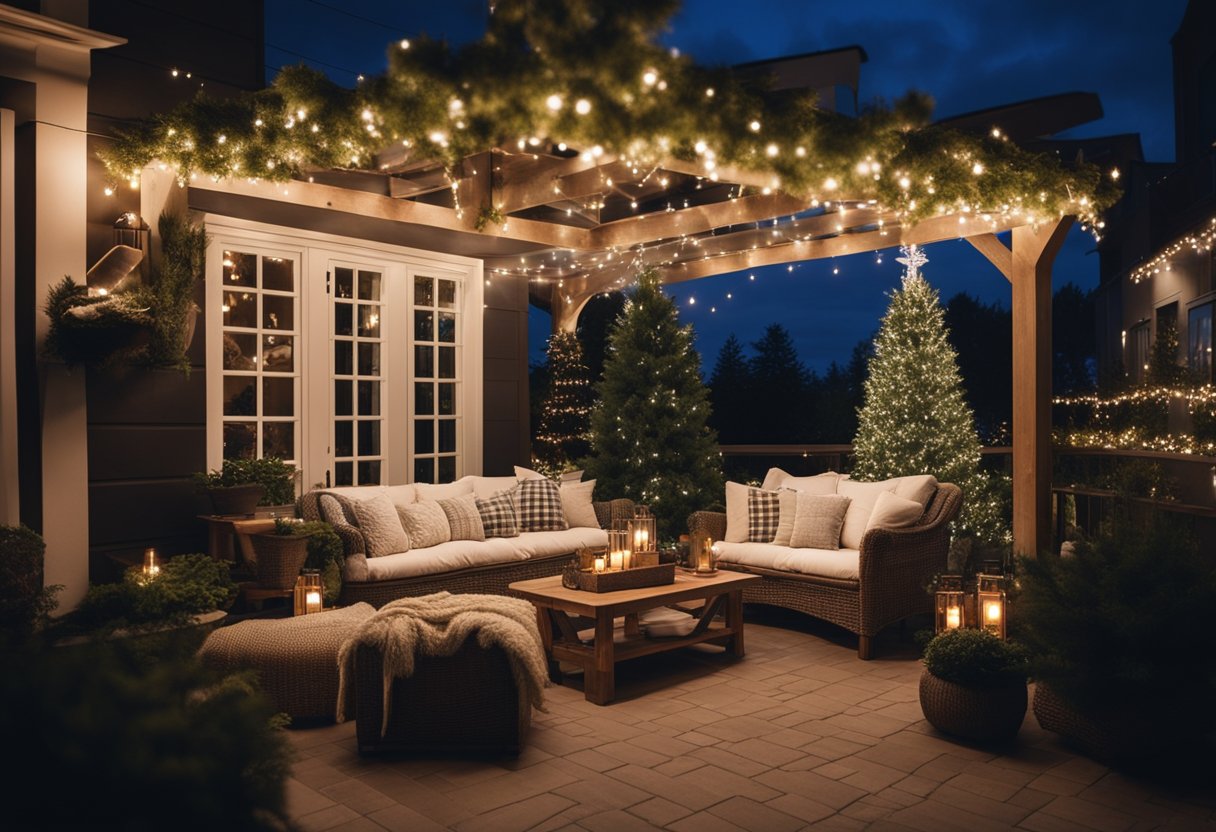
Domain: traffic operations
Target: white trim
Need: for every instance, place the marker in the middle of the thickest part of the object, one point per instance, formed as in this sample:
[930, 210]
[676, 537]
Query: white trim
[10, 506]
[28, 26]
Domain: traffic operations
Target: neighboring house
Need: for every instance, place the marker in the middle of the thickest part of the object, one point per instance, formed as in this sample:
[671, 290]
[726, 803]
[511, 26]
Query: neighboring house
[1157, 257]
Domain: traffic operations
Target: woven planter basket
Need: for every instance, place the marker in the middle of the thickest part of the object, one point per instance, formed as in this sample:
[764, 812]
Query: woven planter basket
[236, 499]
[279, 559]
[980, 714]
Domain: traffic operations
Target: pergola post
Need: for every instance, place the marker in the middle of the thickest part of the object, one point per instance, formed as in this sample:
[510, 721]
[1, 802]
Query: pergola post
[1034, 251]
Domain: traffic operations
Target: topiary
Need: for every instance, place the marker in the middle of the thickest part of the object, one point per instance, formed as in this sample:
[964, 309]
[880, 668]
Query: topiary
[976, 658]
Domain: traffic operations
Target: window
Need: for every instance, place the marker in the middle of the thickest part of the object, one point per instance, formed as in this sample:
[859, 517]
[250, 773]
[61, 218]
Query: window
[436, 410]
[1199, 340]
[357, 378]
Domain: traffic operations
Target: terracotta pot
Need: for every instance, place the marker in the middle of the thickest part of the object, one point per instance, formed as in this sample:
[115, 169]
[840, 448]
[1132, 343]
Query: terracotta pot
[236, 499]
[989, 714]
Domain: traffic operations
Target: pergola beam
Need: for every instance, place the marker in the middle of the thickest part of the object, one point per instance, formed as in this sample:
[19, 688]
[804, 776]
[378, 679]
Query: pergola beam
[698, 219]
[998, 253]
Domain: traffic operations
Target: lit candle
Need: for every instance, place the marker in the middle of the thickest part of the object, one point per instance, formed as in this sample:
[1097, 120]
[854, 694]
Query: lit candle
[992, 612]
[599, 564]
[616, 560]
[312, 601]
[953, 618]
[151, 567]
[626, 559]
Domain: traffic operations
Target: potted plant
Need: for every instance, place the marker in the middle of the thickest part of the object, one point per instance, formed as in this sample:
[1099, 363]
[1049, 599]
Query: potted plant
[1123, 666]
[326, 555]
[281, 553]
[240, 485]
[974, 685]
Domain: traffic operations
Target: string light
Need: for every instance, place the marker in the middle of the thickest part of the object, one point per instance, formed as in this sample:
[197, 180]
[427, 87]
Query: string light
[1200, 242]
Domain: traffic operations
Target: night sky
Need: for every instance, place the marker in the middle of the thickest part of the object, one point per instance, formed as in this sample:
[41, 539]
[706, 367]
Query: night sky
[967, 54]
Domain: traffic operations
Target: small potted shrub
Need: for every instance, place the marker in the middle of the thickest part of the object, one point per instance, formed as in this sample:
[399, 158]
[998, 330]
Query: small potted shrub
[326, 555]
[281, 553]
[974, 685]
[240, 485]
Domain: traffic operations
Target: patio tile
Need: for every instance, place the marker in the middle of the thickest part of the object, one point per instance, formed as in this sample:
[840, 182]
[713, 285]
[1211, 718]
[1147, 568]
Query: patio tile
[705, 822]
[811, 785]
[757, 817]
[659, 811]
[1088, 814]
[1043, 822]
[631, 753]
[327, 818]
[357, 795]
[721, 783]
[403, 817]
[303, 800]
[995, 811]
[518, 816]
[805, 809]
[679, 789]
[1055, 784]
[679, 766]
[723, 758]
[595, 760]
[983, 786]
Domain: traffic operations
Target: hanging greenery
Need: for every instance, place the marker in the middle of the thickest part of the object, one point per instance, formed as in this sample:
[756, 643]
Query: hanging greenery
[147, 325]
[590, 75]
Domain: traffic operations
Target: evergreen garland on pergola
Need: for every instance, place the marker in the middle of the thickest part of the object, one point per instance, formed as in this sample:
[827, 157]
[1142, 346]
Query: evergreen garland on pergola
[588, 75]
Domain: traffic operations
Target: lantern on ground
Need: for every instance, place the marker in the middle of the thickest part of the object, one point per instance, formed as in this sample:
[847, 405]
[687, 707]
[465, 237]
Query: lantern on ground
[990, 603]
[948, 604]
[308, 593]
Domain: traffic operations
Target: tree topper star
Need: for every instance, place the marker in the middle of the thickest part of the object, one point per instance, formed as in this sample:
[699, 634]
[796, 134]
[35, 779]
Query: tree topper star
[914, 257]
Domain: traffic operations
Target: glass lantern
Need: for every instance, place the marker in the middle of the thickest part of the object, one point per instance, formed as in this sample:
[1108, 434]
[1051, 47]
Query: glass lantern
[619, 555]
[151, 566]
[702, 556]
[643, 531]
[990, 603]
[948, 604]
[308, 596]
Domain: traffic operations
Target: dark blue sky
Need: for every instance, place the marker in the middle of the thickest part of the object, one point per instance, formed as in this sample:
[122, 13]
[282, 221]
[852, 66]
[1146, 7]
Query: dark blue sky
[967, 54]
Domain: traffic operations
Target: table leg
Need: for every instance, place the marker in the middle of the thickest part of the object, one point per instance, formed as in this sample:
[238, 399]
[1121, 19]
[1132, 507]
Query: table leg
[599, 683]
[545, 625]
[734, 622]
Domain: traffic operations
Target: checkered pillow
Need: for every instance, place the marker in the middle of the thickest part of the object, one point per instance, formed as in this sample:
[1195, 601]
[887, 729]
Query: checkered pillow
[498, 514]
[540, 507]
[763, 515]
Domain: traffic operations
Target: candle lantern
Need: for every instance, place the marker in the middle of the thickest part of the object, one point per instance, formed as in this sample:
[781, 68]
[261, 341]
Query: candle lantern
[643, 531]
[703, 555]
[151, 566]
[990, 603]
[308, 593]
[619, 551]
[948, 604]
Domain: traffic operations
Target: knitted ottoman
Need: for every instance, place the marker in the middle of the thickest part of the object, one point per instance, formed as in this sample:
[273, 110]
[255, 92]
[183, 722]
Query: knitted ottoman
[295, 658]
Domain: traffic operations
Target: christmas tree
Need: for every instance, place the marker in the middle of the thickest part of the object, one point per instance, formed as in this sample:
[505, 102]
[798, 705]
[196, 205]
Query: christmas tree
[563, 434]
[650, 439]
[915, 419]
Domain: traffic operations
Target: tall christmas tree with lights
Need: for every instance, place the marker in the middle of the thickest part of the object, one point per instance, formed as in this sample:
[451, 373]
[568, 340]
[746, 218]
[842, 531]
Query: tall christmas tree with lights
[563, 436]
[915, 419]
[650, 439]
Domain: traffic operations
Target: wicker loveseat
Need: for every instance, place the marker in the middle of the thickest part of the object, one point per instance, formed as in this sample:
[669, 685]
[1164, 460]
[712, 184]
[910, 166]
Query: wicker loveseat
[893, 568]
[457, 566]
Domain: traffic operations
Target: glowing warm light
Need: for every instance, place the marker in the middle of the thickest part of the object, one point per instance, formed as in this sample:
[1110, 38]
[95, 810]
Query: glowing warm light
[650, 77]
[554, 102]
[754, 126]
[582, 106]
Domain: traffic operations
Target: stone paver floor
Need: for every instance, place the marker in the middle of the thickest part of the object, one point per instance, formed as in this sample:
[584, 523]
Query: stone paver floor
[798, 734]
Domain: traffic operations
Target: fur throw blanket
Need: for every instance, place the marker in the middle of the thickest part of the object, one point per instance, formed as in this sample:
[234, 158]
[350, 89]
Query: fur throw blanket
[438, 625]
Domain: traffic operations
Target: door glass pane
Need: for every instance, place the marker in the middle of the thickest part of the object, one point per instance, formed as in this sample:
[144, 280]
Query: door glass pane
[277, 312]
[240, 351]
[447, 327]
[369, 320]
[447, 399]
[369, 285]
[240, 439]
[447, 362]
[424, 436]
[447, 436]
[342, 358]
[344, 283]
[277, 354]
[424, 398]
[423, 293]
[240, 396]
[447, 468]
[343, 401]
[277, 274]
[447, 293]
[424, 326]
[343, 319]
[344, 473]
[240, 269]
[369, 398]
[369, 437]
[424, 362]
[344, 438]
[278, 439]
[424, 470]
[278, 396]
[369, 359]
[240, 309]
[369, 472]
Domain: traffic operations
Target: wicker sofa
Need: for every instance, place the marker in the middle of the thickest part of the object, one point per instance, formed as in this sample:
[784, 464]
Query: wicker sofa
[893, 568]
[456, 566]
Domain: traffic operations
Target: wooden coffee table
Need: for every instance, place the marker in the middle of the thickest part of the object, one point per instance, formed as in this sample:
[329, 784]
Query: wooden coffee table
[722, 592]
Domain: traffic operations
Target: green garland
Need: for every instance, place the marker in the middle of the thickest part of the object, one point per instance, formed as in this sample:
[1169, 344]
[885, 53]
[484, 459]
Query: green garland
[590, 75]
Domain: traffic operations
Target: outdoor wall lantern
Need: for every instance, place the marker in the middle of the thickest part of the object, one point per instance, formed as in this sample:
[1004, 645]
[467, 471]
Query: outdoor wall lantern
[948, 604]
[130, 230]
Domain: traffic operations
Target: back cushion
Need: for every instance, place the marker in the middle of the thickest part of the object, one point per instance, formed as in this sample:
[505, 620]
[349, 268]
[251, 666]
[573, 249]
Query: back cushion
[427, 491]
[820, 484]
[736, 512]
[539, 505]
[487, 487]
[818, 521]
[773, 479]
[498, 516]
[894, 512]
[382, 530]
[402, 495]
[920, 488]
[426, 523]
[863, 496]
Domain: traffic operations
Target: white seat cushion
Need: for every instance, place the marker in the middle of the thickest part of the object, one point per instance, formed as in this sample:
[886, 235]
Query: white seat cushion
[543, 544]
[446, 557]
[841, 564]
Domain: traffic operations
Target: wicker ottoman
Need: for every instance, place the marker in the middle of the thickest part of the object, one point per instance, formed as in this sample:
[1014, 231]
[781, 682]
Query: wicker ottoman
[295, 658]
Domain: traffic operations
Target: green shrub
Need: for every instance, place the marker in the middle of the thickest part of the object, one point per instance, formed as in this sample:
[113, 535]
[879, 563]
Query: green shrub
[186, 586]
[272, 473]
[975, 658]
[325, 554]
[24, 601]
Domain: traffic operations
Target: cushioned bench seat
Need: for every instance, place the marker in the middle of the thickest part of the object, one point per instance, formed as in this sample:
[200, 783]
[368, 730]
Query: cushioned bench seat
[837, 564]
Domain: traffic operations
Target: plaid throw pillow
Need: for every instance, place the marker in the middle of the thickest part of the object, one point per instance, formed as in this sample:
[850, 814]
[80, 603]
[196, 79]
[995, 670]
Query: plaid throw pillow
[763, 515]
[498, 514]
[540, 507]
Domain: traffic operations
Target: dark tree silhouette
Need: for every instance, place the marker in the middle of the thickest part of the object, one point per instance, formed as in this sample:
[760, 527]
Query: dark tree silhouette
[730, 391]
[781, 390]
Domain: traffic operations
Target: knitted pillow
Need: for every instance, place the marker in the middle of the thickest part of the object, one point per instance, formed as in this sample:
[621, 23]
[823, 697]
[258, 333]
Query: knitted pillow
[763, 515]
[818, 520]
[382, 530]
[426, 523]
[498, 514]
[331, 510]
[463, 518]
[539, 505]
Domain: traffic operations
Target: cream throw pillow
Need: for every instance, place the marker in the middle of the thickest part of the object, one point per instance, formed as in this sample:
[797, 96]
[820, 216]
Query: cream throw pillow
[576, 504]
[919, 488]
[426, 523]
[863, 496]
[894, 512]
[464, 520]
[736, 512]
[818, 520]
[787, 500]
[382, 531]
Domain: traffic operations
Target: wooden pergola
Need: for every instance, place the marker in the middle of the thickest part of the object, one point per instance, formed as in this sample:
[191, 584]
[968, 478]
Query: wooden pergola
[578, 224]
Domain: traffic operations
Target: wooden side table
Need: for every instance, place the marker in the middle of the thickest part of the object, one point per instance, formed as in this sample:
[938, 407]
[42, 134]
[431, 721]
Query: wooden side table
[224, 529]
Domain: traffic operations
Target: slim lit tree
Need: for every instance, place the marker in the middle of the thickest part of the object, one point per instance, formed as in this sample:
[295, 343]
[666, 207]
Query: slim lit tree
[650, 440]
[563, 435]
[915, 419]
